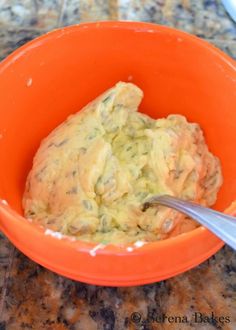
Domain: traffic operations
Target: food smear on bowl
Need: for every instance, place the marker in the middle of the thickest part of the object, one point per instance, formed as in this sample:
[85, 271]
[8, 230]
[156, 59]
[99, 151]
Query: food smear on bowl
[92, 173]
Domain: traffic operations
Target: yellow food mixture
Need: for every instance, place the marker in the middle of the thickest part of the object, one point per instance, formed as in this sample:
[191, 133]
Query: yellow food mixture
[93, 172]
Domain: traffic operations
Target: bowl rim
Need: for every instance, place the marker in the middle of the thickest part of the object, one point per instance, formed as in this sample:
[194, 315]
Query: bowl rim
[138, 27]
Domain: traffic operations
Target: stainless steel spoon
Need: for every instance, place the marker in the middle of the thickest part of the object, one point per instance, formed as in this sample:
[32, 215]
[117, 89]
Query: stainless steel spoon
[222, 225]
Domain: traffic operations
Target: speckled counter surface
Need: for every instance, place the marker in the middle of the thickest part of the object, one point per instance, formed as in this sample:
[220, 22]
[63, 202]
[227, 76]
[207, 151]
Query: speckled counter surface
[32, 297]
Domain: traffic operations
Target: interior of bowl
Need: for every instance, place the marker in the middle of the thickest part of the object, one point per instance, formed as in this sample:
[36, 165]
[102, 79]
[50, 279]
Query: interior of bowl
[57, 74]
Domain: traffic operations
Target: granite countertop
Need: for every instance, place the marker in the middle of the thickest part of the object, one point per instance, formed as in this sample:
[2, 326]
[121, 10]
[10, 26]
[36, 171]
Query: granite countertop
[32, 297]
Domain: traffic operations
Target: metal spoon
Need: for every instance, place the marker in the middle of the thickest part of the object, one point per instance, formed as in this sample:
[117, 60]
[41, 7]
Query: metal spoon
[222, 225]
[230, 6]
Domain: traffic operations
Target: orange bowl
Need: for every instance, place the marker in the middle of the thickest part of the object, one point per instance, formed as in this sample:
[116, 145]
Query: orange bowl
[57, 74]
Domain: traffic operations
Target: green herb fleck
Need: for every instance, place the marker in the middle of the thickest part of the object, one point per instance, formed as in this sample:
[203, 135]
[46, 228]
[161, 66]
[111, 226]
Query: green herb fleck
[87, 204]
[72, 191]
[106, 99]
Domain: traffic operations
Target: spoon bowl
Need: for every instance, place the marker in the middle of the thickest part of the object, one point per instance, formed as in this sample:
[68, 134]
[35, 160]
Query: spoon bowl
[222, 225]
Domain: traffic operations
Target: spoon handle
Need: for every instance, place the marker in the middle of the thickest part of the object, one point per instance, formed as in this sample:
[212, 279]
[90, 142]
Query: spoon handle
[222, 225]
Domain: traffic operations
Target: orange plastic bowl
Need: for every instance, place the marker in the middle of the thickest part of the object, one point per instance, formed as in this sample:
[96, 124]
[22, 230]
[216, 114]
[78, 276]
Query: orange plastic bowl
[57, 74]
